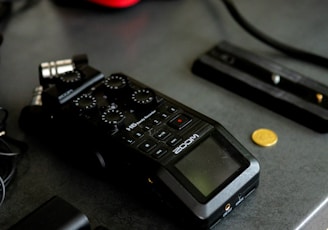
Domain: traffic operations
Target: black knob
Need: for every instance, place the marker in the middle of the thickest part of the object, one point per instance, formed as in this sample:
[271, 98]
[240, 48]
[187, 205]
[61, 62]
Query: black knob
[116, 85]
[85, 102]
[113, 119]
[144, 98]
[70, 77]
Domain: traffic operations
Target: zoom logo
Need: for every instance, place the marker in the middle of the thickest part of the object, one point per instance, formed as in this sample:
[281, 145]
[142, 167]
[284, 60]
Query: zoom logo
[186, 143]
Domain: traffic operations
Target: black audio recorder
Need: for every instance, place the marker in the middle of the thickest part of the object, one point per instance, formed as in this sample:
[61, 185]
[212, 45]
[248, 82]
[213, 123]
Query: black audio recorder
[191, 161]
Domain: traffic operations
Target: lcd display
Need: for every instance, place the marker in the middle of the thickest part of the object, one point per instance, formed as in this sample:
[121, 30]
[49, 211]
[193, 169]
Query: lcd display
[208, 166]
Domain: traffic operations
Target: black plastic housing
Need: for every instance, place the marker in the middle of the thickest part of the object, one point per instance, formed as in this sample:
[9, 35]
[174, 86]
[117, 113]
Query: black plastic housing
[54, 214]
[190, 161]
[267, 83]
[164, 141]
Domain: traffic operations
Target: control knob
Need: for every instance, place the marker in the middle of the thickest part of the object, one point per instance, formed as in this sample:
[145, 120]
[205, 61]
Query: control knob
[115, 85]
[113, 119]
[143, 99]
[85, 103]
[70, 78]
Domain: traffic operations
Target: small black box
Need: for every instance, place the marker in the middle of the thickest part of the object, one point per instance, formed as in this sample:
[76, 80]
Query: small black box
[54, 214]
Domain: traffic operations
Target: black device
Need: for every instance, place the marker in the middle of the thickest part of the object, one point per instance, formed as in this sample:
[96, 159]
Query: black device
[191, 161]
[267, 83]
[54, 214]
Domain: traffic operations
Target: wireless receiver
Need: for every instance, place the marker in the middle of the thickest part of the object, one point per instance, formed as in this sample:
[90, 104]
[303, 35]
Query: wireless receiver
[267, 83]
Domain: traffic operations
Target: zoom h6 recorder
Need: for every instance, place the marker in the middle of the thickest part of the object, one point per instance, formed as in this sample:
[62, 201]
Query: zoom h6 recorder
[193, 163]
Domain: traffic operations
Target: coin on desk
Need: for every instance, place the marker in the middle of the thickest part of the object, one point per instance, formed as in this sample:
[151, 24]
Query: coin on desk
[264, 137]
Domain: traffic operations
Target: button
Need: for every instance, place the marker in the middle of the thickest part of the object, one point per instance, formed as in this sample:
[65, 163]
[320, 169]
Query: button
[156, 121]
[162, 134]
[147, 145]
[172, 109]
[138, 134]
[164, 115]
[146, 126]
[160, 152]
[180, 121]
[174, 141]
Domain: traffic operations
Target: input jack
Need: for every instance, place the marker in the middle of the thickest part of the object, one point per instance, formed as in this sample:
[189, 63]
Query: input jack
[227, 207]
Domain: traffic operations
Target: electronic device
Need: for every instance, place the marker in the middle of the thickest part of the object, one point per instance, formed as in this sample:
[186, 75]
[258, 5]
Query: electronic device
[267, 83]
[188, 160]
[56, 213]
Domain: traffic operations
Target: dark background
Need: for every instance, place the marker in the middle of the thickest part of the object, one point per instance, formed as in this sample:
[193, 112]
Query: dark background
[156, 42]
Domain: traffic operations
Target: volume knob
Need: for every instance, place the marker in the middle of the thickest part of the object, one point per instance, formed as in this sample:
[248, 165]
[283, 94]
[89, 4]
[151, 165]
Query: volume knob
[144, 97]
[85, 102]
[113, 119]
[70, 77]
[115, 84]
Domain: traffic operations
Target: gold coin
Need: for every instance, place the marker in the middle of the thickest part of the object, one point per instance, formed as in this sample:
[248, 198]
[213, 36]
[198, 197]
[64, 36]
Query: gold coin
[264, 137]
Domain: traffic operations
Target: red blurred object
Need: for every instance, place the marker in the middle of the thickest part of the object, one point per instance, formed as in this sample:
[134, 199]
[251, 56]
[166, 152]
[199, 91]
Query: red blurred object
[115, 3]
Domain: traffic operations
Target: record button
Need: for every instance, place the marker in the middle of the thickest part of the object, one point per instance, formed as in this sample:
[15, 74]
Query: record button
[180, 121]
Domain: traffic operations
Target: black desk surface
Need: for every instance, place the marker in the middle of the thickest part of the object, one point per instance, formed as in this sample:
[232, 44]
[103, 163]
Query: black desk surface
[156, 43]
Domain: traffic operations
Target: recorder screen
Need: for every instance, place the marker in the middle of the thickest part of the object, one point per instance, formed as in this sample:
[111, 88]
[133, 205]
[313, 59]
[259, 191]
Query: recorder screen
[208, 166]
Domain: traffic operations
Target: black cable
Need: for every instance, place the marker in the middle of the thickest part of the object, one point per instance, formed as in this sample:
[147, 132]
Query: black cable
[8, 158]
[290, 51]
[6, 174]
[7, 10]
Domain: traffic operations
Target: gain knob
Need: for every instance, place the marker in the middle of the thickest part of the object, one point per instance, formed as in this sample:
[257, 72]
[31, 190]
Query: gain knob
[144, 99]
[113, 118]
[115, 85]
[70, 77]
[85, 103]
